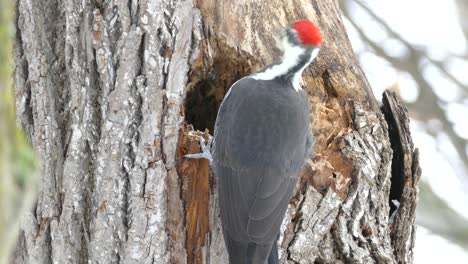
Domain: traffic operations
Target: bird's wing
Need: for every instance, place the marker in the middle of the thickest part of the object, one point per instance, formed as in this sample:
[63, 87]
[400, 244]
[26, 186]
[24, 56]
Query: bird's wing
[245, 216]
[260, 146]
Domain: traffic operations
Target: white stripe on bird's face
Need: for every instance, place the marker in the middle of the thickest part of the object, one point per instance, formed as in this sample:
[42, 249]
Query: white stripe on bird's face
[298, 74]
[291, 58]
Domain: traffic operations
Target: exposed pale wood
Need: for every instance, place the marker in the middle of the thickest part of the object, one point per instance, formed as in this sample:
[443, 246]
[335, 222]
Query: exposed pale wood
[196, 193]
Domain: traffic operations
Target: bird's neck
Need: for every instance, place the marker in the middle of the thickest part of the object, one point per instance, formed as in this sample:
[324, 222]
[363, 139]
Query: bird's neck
[295, 59]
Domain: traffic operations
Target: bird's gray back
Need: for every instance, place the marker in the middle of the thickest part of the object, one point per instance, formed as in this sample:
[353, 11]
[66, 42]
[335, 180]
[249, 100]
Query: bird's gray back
[262, 125]
[259, 147]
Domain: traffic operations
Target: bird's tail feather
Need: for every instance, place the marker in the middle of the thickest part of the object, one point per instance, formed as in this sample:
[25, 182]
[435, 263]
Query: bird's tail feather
[273, 258]
[251, 253]
[263, 254]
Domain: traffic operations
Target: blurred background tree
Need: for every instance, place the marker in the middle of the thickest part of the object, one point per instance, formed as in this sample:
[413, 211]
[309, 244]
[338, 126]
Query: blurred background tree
[17, 163]
[419, 49]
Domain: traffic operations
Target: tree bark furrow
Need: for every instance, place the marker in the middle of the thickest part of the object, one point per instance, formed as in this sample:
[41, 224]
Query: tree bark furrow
[41, 77]
[119, 132]
[361, 227]
[317, 215]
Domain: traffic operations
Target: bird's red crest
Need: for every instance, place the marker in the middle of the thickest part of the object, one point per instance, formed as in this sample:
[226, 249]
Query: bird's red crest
[308, 32]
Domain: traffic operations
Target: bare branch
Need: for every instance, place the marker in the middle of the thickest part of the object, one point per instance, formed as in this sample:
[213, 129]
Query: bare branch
[462, 8]
[440, 65]
[436, 215]
[427, 106]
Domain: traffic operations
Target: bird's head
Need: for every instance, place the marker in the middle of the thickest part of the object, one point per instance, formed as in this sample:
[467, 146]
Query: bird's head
[301, 43]
[304, 33]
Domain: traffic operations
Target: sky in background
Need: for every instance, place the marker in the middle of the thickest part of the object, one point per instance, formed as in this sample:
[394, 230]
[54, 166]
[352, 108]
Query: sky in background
[432, 25]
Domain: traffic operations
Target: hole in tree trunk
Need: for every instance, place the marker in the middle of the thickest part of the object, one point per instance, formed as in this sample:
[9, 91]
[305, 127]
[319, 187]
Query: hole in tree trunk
[393, 113]
[201, 106]
[209, 84]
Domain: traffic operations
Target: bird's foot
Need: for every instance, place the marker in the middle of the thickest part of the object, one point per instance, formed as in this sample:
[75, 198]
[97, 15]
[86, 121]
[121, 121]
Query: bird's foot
[205, 148]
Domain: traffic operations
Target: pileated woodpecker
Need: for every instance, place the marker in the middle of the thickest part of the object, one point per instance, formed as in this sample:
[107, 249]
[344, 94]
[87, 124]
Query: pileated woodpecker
[261, 140]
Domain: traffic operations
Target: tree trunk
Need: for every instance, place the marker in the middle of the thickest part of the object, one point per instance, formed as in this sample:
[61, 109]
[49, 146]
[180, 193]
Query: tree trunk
[107, 92]
[18, 168]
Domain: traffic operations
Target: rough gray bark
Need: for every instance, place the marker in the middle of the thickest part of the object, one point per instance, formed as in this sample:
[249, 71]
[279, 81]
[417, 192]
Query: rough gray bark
[103, 89]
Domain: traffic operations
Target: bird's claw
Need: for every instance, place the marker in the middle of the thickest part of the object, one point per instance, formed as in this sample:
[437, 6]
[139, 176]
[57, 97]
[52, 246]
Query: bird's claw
[205, 148]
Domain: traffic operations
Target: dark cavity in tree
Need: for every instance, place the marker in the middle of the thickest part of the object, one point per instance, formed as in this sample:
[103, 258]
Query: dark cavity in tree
[201, 106]
[398, 177]
[207, 88]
